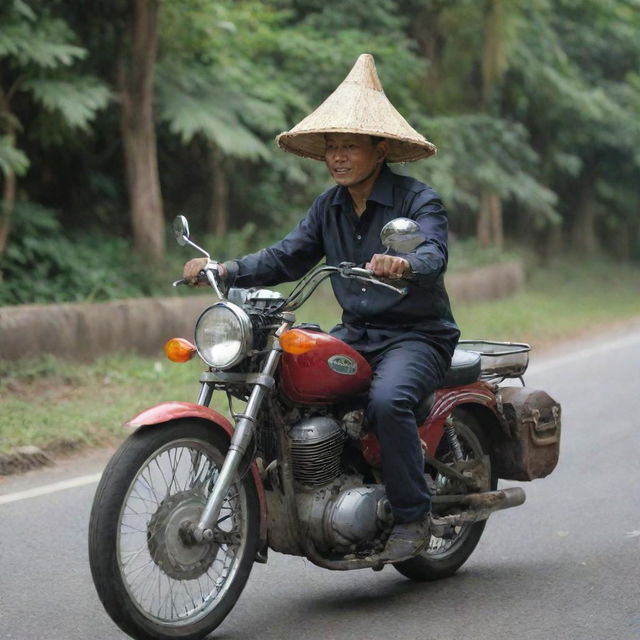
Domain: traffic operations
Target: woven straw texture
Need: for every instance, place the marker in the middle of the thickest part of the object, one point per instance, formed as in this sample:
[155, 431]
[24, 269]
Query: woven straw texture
[358, 105]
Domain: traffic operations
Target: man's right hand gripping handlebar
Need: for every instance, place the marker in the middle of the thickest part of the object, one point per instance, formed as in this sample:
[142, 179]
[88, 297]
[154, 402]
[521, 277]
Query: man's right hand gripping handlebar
[194, 272]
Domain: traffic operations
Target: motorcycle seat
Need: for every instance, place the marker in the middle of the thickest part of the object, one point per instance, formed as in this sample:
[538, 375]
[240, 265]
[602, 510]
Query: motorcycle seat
[465, 369]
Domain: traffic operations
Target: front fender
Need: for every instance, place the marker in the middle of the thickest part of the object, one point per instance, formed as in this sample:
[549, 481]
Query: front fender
[175, 410]
[168, 411]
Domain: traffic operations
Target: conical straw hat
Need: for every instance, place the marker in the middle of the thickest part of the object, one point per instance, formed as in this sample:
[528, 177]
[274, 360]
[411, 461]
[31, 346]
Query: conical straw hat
[358, 105]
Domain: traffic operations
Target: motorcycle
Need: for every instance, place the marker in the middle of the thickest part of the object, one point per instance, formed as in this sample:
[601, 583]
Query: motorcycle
[190, 501]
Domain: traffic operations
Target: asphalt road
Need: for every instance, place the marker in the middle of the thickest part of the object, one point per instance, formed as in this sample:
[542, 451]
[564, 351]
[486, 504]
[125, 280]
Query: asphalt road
[565, 565]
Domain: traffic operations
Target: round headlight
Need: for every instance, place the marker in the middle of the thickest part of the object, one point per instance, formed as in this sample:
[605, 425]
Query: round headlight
[223, 335]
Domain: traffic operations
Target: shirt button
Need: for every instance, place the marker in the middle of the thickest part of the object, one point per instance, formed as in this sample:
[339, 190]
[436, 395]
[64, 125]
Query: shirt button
[364, 289]
[359, 237]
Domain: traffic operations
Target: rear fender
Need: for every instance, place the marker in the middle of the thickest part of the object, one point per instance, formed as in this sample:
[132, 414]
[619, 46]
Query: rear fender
[169, 411]
[446, 400]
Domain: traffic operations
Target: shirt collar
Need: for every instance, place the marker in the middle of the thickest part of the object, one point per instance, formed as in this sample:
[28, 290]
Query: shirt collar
[382, 191]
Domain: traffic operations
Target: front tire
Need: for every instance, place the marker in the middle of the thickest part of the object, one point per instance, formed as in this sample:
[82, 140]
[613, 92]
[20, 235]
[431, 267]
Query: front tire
[444, 556]
[152, 581]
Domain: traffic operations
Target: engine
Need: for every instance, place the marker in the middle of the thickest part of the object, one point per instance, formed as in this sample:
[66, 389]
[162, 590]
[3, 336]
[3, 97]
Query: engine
[336, 509]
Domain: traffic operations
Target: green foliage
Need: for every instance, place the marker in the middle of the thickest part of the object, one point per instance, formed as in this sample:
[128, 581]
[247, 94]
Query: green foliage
[537, 101]
[45, 264]
[27, 38]
[12, 159]
[482, 150]
[191, 103]
[39, 52]
[76, 98]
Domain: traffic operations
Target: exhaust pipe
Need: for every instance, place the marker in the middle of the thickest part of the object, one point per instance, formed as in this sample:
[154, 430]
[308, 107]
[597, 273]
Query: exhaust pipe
[476, 506]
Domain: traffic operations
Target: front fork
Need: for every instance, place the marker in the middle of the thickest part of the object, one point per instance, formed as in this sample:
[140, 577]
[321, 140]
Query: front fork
[242, 436]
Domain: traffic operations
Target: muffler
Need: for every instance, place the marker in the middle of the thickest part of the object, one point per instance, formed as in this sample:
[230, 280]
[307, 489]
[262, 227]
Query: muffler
[474, 506]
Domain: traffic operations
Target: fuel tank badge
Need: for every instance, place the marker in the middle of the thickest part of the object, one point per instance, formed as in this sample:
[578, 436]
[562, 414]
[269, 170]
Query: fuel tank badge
[343, 365]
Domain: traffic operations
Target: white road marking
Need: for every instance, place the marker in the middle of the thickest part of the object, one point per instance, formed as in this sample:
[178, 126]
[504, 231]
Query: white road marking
[81, 481]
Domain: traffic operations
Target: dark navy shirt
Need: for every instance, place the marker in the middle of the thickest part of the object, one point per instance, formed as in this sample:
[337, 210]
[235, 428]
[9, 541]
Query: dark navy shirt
[373, 316]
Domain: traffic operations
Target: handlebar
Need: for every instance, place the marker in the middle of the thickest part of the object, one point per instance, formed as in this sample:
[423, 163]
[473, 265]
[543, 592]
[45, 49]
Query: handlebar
[308, 284]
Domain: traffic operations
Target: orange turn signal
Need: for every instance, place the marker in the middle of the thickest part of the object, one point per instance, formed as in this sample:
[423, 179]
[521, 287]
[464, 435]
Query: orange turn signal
[179, 350]
[296, 341]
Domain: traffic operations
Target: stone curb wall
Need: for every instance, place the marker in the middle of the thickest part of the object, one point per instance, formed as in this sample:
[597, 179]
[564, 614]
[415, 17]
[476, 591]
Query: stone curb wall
[86, 330]
[490, 282]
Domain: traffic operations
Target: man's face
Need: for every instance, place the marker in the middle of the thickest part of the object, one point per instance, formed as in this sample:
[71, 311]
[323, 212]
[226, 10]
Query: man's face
[352, 158]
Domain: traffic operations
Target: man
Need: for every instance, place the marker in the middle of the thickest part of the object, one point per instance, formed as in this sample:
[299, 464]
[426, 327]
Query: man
[409, 341]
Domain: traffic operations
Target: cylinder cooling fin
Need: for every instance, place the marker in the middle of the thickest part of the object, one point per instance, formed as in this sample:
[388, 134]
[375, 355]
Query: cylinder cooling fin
[316, 447]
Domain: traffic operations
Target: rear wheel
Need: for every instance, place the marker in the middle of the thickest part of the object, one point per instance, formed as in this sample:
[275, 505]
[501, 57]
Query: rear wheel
[152, 579]
[445, 555]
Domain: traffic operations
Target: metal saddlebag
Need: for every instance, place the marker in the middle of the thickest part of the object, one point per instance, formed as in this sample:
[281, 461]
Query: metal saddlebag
[530, 443]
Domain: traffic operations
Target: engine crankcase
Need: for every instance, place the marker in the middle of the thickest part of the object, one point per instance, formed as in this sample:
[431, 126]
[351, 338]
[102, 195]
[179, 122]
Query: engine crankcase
[344, 516]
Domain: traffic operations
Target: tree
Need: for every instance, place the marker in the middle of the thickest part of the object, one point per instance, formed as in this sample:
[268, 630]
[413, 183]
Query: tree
[485, 157]
[40, 54]
[136, 81]
[572, 77]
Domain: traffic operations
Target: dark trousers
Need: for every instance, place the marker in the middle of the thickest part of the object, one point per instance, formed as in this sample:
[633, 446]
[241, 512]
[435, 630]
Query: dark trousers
[403, 374]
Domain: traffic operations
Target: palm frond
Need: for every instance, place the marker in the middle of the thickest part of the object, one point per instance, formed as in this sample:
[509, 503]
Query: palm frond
[12, 160]
[45, 43]
[77, 99]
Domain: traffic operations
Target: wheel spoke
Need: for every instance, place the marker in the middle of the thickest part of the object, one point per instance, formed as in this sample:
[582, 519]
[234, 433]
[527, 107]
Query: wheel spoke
[166, 579]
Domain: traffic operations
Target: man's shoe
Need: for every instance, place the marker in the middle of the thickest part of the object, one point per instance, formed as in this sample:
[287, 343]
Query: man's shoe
[406, 541]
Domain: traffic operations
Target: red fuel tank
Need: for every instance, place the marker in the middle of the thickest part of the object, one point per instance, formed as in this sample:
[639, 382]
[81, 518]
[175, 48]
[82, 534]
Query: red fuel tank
[330, 370]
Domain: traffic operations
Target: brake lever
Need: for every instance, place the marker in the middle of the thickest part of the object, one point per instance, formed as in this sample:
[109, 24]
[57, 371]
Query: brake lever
[211, 278]
[349, 270]
[373, 280]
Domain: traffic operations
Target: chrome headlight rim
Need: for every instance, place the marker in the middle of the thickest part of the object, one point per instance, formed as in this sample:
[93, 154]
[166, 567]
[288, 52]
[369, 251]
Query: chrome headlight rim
[245, 334]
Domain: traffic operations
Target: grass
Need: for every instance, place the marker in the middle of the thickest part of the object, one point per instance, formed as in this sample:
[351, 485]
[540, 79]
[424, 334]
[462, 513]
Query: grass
[61, 406]
[559, 302]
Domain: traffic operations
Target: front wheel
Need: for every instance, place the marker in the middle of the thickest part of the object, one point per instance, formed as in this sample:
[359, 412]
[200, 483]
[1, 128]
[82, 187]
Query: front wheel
[445, 555]
[153, 581]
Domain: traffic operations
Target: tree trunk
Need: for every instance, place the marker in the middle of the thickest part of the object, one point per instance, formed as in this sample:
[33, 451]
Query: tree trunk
[554, 241]
[10, 181]
[494, 60]
[583, 232]
[138, 130]
[489, 228]
[428, 34]
[219, 208]
[6, 208]
[494, 63]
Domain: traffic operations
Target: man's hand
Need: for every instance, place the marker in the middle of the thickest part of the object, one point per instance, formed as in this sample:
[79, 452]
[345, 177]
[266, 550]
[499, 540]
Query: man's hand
[386, 266]
[194, 267]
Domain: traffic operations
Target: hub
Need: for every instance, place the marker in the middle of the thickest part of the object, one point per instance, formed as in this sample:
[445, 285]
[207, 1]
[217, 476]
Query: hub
[169, 539]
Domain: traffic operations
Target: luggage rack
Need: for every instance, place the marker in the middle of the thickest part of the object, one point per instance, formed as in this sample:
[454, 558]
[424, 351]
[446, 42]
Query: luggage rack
[499, 360]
